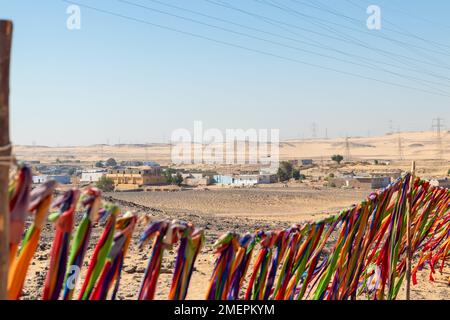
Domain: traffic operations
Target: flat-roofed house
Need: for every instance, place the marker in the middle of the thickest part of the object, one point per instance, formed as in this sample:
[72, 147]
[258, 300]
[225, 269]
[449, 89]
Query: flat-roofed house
[246, 180]
[130, 178]
[61, 179]
[90, 176]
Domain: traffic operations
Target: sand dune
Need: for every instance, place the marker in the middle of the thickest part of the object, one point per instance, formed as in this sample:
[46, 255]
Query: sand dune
[414, 145]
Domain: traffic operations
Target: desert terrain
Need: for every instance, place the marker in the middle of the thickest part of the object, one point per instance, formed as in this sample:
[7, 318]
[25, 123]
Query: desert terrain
[414, 146]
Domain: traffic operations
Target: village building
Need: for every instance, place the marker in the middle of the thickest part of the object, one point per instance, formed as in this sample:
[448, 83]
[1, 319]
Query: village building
[61, 179]
[223, 179]
[131, 178]
[267, 178]
[246, 180]
[301, 162]
[151, 164]
[197, 179]
[264, 177]
[91, 176]
[361, 182]
[444, 183]
[306, 162]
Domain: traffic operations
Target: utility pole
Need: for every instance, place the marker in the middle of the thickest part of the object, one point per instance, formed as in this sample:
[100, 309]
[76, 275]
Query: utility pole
[6, 28]
[438, 124]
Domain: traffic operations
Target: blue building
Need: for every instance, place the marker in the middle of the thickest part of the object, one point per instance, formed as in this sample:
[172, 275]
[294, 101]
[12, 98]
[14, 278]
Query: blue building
[220, 179]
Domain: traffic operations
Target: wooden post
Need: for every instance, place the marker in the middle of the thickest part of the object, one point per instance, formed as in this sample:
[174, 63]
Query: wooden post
[5, 151]
[408, 233]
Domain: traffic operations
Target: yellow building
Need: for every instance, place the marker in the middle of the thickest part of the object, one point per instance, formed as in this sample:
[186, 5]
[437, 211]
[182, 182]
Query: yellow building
[131, 178]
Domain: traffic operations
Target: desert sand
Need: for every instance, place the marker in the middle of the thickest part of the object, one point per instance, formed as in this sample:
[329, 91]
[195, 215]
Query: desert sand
[414, 146]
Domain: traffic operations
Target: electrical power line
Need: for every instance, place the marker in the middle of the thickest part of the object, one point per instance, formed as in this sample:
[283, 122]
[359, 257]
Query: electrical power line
[325, 24]
[404, 32]
[391, 55]
[327, 9]
[377, 35]
[418, 50]
[421, 18]
[195, 35]
[370, 66]
[372, 62]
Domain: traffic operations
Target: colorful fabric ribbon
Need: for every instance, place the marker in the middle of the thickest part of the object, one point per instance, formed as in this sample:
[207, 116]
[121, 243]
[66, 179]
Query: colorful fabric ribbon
[80, 242]
[41, 198]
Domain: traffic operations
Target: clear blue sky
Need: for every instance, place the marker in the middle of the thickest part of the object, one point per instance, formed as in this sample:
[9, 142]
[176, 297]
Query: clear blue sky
[118, 78]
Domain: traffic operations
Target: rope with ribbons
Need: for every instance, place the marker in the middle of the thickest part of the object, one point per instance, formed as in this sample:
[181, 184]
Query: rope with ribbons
[362, 251]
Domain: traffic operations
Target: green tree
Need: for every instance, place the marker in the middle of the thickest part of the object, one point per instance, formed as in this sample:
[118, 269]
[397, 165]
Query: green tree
[168, 173]
[178, 179]
[71, 171]
[337, 158]
[296, 174]
[105, 184]
[111, 162]
[285, 171]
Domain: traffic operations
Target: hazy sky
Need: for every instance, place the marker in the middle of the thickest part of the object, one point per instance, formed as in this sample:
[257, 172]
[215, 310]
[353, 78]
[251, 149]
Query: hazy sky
[119, 78]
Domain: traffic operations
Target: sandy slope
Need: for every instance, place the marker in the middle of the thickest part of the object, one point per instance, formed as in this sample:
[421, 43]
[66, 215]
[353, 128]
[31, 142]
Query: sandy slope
[415, 145]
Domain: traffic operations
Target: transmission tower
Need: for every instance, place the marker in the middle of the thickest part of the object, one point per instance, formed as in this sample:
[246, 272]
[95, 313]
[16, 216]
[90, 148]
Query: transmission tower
[314, 130]
[438, 124]
[400, 146]
[347, 148]
[391, 127]
[33, 151]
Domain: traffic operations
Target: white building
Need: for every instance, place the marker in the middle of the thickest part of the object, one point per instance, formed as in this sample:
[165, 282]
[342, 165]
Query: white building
[90, 176]
[445, 183]
[246, 180]
[39, 179]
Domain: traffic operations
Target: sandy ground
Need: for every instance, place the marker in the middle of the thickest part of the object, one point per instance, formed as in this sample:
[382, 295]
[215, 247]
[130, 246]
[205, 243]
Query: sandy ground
[414, 146]
[294, 203]
[217, 211]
